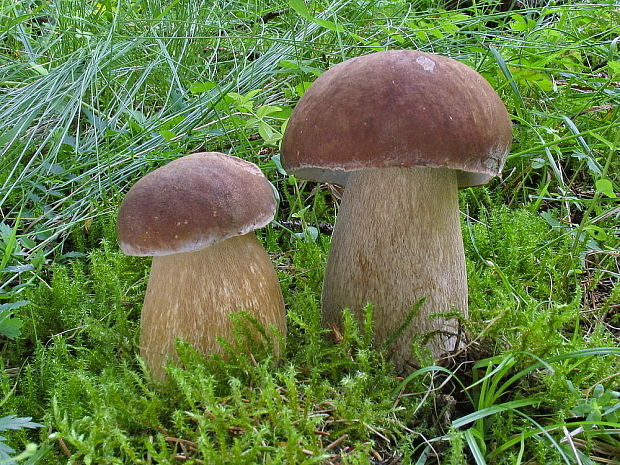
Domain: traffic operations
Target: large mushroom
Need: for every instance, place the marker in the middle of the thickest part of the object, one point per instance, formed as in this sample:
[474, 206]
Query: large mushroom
[402, 130]
[196, 217]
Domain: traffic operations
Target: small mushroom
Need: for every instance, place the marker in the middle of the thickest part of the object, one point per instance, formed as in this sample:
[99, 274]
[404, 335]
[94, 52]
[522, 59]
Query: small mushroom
[402, 130]
[196, 217]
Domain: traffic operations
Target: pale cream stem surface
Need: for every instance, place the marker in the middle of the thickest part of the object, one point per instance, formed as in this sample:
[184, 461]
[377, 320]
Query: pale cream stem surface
[398, 239]
[191, 295]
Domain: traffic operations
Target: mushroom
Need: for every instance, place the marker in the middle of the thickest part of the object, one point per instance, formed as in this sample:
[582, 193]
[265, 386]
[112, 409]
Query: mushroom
[402, 130]
[196, 217]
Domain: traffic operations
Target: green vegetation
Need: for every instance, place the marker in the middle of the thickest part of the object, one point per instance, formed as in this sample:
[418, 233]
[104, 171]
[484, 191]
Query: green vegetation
[95, 94]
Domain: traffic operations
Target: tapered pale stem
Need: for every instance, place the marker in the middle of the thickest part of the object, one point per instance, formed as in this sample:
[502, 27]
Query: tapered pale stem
[190, 296]
[398, 239]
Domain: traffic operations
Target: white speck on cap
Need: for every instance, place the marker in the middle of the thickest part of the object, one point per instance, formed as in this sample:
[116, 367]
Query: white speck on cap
[426, 63]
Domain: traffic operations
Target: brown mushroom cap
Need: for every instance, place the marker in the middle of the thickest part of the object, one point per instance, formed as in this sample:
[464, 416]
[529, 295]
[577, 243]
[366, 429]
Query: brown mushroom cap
[192, 202]
[400, 108]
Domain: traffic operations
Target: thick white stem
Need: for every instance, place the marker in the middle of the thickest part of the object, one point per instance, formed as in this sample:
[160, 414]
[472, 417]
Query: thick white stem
[190, 296]
[398, 240]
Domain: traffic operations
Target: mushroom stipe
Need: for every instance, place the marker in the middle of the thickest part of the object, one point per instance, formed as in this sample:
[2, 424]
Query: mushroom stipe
[192, 295]
[394, 267]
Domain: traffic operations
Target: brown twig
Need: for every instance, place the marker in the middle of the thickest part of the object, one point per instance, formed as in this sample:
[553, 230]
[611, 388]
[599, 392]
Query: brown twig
[64, 447]
[337, 442]
[185, 442]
